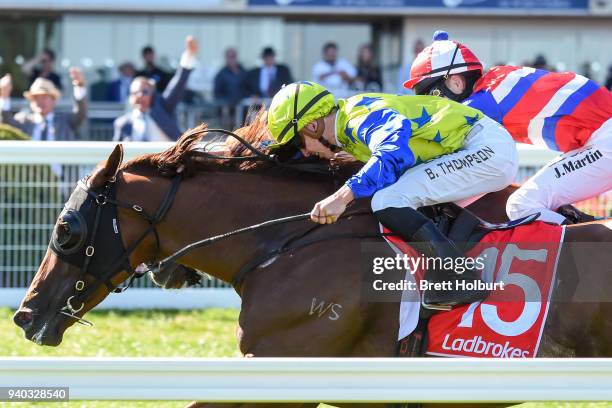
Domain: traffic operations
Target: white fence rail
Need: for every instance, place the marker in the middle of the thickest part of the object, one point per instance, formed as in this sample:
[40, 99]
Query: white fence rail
[22, 152]
[317, 380]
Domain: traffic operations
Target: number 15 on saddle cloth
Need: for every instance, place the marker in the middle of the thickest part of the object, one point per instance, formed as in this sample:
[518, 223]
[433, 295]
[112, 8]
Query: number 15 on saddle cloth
[510, 322]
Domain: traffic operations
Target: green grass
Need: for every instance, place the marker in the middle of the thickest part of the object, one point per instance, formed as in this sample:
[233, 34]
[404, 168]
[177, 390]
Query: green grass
[201, 333]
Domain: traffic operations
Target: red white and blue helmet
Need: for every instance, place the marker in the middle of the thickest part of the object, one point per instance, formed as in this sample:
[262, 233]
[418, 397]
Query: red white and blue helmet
[442, 58]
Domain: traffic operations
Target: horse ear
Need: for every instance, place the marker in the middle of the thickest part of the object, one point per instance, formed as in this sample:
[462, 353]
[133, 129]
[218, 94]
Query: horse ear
[114, 161]
[108, 169]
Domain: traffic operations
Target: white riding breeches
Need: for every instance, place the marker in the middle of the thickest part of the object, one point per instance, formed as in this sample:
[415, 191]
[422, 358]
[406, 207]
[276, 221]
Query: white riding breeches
[487, 162]
[574, 176]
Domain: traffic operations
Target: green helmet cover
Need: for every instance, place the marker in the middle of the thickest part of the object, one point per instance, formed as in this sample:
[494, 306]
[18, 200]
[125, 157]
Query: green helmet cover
[295, 106]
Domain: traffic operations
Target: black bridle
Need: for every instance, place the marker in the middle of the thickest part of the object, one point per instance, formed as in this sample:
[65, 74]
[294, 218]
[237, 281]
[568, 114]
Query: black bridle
[100, 207]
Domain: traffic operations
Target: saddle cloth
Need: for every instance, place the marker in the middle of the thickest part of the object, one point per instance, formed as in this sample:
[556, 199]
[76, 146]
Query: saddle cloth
[509, 323]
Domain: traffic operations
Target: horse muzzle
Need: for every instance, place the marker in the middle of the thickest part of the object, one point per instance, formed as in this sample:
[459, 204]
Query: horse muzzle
[23, 318]
[41, 332]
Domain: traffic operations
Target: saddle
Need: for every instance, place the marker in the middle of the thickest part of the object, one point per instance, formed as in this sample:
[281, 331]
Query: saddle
[465, 228]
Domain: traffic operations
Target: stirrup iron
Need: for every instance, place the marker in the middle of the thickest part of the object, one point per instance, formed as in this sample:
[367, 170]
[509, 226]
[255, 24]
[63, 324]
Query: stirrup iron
[433, 306]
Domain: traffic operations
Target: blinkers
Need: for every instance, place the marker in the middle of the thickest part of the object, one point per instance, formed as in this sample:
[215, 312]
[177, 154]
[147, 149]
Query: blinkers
[89, 228]
[70, 232]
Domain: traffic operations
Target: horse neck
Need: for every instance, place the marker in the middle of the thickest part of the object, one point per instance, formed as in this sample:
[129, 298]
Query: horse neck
[214, 203]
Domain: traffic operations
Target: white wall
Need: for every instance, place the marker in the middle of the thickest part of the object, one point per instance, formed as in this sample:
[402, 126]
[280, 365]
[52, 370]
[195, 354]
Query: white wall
[570, 41]
[304, 42]
[120, 38]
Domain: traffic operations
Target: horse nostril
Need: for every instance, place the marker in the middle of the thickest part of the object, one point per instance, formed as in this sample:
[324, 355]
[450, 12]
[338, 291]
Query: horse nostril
[23, 318]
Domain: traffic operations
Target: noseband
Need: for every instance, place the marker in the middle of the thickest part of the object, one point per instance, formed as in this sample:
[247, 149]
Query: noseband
[87, 236]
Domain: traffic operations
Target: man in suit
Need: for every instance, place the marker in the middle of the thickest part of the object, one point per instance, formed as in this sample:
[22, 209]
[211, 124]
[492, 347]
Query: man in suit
[119, 89]
[42, 122]
[267, 80]
[153, 116]
[229, 88]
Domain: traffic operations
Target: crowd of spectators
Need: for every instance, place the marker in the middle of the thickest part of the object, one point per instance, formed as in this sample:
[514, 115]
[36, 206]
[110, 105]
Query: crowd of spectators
[151, 94]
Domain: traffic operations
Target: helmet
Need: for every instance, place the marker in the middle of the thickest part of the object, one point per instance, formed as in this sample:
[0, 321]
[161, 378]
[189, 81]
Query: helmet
[442, 58]
[295, 106]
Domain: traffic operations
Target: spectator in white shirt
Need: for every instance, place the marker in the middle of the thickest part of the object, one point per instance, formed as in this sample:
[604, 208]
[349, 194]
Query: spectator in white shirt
[42, 122]
[335, 74]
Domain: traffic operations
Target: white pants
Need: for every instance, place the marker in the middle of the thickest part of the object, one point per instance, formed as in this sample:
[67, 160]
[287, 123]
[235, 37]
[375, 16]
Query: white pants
[574, 176]
[487, 162]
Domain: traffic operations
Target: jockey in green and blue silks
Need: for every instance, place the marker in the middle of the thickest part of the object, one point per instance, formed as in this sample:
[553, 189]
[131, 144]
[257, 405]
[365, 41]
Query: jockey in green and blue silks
[417, 150]
[392, 133]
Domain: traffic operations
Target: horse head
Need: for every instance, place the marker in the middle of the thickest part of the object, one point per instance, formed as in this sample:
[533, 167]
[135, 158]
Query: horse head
[73, 276]
[108, 226]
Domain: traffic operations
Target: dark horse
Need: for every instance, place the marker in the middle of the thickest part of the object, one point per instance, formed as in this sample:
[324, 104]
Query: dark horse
[216, 196]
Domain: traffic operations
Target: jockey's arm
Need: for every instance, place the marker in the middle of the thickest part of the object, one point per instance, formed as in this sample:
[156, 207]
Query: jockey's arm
[387, 135]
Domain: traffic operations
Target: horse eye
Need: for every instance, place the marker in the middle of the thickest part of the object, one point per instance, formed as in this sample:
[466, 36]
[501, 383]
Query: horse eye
[65, 226]
[64, 232]
[70, 232]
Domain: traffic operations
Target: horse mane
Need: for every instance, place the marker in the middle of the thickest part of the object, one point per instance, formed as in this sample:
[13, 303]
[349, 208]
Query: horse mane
[191, 154]
[257, 134]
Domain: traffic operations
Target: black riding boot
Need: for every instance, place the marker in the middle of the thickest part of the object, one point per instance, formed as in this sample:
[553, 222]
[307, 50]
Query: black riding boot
[426, 238]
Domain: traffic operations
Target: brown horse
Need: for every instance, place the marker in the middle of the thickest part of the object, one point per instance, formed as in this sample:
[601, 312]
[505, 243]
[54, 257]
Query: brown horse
[217, 196]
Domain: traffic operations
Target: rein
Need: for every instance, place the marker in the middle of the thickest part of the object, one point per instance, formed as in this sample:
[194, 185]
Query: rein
[257, 156]
[261, 156]
[211, 240]
[286, 247]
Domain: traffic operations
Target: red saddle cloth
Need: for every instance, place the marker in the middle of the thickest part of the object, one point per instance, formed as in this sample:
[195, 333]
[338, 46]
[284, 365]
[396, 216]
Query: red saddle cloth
[510, 322]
